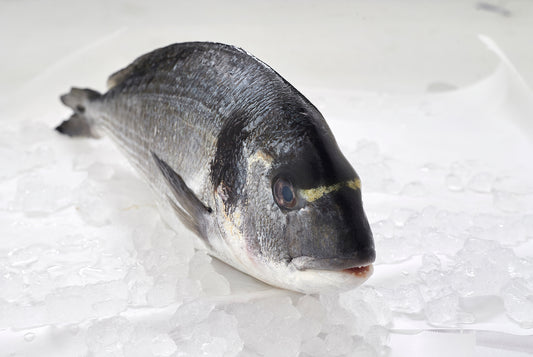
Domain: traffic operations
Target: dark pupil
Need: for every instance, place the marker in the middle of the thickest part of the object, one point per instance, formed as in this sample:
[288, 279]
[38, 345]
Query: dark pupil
[287, 194]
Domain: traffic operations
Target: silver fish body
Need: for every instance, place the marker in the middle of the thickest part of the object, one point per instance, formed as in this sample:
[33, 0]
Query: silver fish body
[245, 161]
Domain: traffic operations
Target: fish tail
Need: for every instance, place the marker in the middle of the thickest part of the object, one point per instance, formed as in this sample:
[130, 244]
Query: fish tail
[79, 124]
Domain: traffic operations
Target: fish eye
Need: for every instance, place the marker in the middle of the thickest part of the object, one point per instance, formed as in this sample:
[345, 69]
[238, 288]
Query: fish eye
[284, 194]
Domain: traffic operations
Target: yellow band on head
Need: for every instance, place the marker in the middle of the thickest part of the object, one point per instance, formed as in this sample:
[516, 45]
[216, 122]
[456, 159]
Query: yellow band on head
[314, 194]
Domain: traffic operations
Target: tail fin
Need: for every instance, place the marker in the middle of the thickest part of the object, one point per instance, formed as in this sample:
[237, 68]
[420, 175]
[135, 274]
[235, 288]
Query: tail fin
[78, 124]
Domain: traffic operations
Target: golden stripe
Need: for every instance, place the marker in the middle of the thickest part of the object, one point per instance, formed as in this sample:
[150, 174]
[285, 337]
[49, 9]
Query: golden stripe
[314, 194]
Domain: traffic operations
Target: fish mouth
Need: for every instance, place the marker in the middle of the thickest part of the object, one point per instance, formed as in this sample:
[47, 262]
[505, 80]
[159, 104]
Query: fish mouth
[361, 272]
[357, 267]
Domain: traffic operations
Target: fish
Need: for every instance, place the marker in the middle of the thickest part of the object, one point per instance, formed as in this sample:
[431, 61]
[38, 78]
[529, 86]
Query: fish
[241, 158]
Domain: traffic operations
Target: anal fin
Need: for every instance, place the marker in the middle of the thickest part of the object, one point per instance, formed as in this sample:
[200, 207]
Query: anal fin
[189, 209]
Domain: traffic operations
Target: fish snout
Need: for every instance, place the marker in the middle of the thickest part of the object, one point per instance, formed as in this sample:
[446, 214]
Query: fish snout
[337, 235]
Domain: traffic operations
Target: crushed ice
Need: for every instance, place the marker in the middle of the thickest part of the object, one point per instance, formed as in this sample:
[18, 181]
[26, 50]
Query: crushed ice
[84, 246]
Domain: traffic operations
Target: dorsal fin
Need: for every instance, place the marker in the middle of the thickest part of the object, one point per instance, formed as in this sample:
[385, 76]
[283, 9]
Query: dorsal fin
[167, 57]
[148, 63]
[136, 67]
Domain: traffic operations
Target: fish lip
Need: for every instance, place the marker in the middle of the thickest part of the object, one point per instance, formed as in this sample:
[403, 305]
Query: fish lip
[335, 264]
[361, 272]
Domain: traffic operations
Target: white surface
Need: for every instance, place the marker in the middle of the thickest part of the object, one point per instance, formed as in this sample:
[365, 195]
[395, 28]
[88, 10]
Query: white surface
[426, 113]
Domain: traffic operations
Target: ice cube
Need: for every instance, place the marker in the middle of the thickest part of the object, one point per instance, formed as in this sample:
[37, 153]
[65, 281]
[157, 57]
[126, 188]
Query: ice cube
[310, 307]
[518, 301]
[202, 330]
[192, 313]
[336, 314]
[506, 230]
[378, 337]
[339, 342]
[188, 288]
[368, 306]
[202, 269]
[162, 251]
[269, 326]
[163, 345]
[481, 268]
[148, 340]
[108, 336]
[215, 284]
[162, 293]
[435, 284]
[430, 262]
[314, 346]
[462, 170]
[454, 183]
[404, 298]
[443, 311]
[139, 283]
[223, 329]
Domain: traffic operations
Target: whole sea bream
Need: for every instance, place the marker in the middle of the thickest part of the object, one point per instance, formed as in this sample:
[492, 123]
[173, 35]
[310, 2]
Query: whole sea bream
[245, 161]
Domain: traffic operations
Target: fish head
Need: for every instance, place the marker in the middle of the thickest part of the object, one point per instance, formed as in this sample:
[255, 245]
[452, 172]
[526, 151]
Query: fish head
[300, 214]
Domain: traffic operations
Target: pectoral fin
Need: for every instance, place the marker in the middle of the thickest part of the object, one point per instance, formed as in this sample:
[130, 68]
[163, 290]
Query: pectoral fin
[189, 209]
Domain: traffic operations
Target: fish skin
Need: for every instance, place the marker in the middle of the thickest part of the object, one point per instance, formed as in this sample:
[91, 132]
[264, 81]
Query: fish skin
[210, 127]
